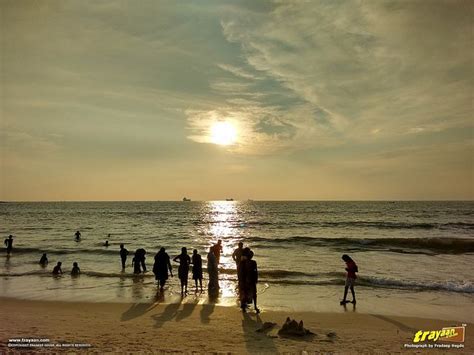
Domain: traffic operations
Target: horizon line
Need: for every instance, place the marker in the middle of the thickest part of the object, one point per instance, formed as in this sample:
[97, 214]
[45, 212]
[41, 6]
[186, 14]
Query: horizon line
[249, 200]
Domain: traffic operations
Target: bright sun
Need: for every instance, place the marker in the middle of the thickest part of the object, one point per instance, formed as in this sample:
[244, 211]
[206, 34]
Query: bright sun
[223, 133]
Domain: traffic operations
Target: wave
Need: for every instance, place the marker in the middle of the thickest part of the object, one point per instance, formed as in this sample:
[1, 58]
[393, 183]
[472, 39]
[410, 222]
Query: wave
[339, 224]
[40, 251]
[288, 278]
[435, 245]
[367, 281]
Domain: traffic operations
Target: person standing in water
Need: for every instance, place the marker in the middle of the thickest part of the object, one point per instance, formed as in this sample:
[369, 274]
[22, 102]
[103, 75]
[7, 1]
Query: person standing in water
[75, 269]
[44, 260]
[9, 244]
[161, 267]
[217, 250]
[184, 260]
[212, 269]
[123, 255]
[138, 261]
[351, 268]
[248, 280]
[57, 269]
[237, 256]
[78, 236]
[197, 269]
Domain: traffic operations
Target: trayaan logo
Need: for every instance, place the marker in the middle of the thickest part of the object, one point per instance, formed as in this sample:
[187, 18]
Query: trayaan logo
[449, 334]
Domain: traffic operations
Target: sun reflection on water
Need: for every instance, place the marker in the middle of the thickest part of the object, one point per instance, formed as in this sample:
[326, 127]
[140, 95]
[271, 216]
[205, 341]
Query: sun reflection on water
[224, 216]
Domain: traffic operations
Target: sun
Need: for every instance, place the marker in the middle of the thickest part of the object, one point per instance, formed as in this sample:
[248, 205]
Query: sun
[223, 133]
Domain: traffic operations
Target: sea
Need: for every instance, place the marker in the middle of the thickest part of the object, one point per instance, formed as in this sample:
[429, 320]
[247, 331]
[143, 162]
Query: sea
[414, 258]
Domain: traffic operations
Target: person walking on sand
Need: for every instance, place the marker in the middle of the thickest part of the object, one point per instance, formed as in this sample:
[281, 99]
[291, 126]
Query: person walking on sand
[217, 250]
[9, 244]
[123, 255]
[351, 268]
[197, 269]
[75, 269]
[161, 267]
[184, 260]
[78, 236]
[248, 279]
[57, 269]
[237, 256]
[44, 260]
[212, 269]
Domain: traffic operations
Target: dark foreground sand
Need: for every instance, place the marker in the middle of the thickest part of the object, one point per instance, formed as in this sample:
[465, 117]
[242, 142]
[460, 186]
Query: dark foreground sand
[191, 327]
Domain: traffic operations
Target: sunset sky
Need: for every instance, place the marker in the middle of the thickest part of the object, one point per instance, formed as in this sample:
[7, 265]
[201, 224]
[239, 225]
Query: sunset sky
[119, 100]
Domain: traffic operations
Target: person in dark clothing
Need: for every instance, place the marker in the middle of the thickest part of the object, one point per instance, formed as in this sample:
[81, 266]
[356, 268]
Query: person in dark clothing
[57, 269]
[78, 236]
[139, 261]
[142, 258]
[75, 270]
[184, 260]
[123, 255]
[237, 256]
[212, 270]
[9, 244]
[217, 250]
[351, 268]
[197, 269]
[161, 267]
[44, 260]
[248, 278]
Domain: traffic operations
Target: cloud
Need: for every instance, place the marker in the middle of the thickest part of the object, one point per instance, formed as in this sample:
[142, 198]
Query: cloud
[391, 65]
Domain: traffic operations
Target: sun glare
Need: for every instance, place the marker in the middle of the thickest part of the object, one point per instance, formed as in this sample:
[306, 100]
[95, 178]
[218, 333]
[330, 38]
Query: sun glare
[223, 133]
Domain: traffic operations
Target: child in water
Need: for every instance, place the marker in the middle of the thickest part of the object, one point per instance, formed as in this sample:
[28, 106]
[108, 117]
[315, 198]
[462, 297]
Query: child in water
[351, 268]
[57, 269]
[75, 270]
[44, 260]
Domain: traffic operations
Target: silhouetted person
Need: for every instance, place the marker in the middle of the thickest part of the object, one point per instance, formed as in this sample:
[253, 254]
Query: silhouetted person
[139, 261]
[351, 268]
[78, 236]
[213, 284]
[57, 269]
[106, 244]
[248, 279]
[75, 269]
[184, 260]
[44, 260]
[217, 250]
[237, 256]
[161, 266]
[196, 260]
[9, 244]
[123, 255]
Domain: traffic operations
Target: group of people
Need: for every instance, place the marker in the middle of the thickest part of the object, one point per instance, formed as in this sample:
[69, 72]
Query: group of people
[247, 271]
[57, 270]
[163, 269]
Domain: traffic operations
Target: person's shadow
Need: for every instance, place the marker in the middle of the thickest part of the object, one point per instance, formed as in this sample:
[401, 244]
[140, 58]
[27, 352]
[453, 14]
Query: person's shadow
[170, 312]
[186, 311]
[251, 337]
[208, 308]
[138, 309]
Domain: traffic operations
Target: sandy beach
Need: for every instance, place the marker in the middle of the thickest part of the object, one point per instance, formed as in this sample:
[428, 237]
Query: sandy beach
[204, 328]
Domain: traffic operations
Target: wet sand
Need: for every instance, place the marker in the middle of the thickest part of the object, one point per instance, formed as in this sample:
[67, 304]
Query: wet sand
[203, 328]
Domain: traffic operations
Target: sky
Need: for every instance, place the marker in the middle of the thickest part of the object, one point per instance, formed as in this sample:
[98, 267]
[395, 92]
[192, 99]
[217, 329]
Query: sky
[343, 100]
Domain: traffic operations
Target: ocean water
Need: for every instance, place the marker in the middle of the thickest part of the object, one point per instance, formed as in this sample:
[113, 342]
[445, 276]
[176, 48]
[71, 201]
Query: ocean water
[414, 258]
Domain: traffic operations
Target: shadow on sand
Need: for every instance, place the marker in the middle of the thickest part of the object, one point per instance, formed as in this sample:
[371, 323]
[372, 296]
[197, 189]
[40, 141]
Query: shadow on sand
[208, 307]
[250, 324]
[139, 309]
